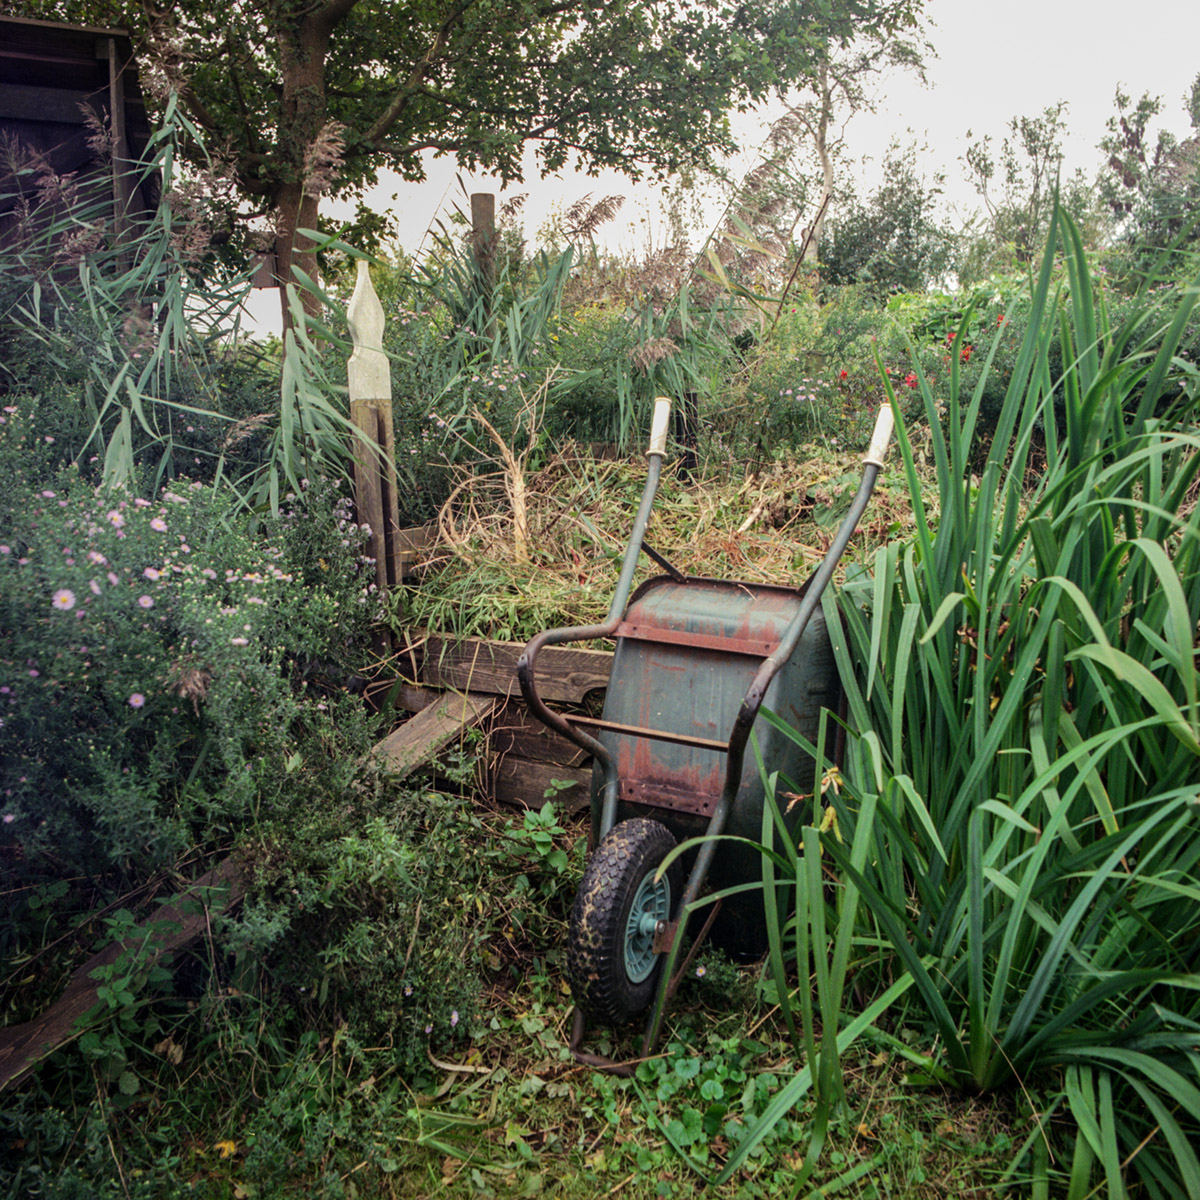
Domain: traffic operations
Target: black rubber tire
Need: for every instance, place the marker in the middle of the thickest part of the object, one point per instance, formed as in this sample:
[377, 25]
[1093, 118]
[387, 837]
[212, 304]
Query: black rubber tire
[596, 967]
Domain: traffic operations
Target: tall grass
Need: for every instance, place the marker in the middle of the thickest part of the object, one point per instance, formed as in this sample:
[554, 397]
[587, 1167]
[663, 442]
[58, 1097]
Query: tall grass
[134, 320]
[1019, 803]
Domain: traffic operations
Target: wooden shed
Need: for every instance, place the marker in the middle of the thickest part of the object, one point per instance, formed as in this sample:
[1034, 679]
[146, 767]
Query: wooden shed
[51, 76]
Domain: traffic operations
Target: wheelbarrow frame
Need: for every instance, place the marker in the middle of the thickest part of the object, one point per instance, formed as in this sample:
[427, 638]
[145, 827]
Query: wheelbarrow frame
[670, 935]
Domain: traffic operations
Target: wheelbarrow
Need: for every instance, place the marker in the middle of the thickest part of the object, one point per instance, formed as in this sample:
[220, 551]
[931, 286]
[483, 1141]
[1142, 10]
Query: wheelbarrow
[695, 660]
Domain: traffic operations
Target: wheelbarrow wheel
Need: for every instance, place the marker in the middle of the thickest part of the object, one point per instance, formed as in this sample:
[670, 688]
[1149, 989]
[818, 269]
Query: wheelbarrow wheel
[610, 948]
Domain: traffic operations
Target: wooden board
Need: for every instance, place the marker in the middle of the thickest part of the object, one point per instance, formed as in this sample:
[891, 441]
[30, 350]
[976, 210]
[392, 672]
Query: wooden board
[420, 739]
[564, 674]
[515, 731]
[412, 545]
[172, 926]
[523, 783]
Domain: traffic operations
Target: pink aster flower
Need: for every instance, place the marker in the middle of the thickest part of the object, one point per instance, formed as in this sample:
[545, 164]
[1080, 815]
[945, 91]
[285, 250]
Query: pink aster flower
[112, 578]
[145, 602]
[239, 641]
[94, 585]
[137, 700]
[63, 600]
[158, 525]
[115, 519]
[152, 573]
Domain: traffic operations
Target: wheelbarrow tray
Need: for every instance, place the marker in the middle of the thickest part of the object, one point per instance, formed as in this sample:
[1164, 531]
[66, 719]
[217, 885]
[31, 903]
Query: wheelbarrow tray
[686, 653]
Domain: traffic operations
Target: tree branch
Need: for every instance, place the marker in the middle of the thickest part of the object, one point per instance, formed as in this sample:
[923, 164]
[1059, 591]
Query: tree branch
[330, 14]
[392, 113]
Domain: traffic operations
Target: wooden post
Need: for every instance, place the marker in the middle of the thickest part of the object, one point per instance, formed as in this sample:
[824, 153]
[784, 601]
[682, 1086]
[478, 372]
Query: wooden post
[686, 421]
[483, 246]
[121, 163]
[375, 495]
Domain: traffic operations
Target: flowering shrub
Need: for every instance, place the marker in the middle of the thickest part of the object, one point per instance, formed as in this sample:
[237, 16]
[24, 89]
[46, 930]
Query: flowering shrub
[144, 703]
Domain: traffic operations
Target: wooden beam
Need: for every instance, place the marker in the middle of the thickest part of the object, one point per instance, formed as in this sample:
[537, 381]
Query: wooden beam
[411, 543]
[564, 674]
[515, 731]
[419, 740]
[25, 102]
[22, 1047]
[523, 783]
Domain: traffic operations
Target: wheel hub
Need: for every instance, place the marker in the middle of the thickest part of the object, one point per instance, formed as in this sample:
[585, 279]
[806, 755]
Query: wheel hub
[651, 904]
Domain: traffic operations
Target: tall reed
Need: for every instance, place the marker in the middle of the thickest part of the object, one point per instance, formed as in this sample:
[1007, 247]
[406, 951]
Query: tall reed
[1019, 801]
[134, 320]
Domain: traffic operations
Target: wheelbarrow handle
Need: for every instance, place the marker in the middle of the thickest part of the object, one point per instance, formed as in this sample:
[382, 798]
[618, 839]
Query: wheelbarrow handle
[660, 425]
[885, 423]
[748, 712]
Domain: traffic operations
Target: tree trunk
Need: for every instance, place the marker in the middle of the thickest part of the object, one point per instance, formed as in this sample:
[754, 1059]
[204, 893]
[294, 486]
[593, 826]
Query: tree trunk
[296, 210]
[303, 49]
[824, 156]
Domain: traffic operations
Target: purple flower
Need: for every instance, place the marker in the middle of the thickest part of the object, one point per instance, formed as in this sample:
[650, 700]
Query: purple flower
[115, 519]
[145, 602]
[137, 700]
[158, 525]
[9, 818]
[63, 600]
[453, 1018]
[152, 573]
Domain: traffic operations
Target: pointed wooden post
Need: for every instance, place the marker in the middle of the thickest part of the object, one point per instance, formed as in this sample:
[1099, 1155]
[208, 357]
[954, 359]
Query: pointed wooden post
[370, 379]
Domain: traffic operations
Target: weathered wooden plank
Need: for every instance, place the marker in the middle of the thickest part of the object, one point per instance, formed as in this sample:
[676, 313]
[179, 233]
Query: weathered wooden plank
[514, 730]
[564, 674]
[413, 543]
[24, 102]
[418, 740]
[401, 694]
[524, 783]
[172, 926]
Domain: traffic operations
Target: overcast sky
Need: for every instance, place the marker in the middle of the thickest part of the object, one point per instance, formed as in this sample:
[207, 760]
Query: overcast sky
[994, 61]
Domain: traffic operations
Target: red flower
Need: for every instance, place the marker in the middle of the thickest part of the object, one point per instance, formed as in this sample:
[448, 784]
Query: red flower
[1000, 319]
[843, 374]
[966, 352]
[911, 379]
[950, 337]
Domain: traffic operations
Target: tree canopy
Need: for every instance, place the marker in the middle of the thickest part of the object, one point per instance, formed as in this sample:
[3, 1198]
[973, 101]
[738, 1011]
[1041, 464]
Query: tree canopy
[298, 97]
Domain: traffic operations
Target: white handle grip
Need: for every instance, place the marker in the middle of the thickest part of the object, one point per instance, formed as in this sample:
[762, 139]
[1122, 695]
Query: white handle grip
[884, 424]
[660, 425]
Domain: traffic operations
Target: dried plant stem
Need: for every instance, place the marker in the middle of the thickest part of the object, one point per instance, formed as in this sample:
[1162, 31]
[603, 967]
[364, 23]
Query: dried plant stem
[513, 466]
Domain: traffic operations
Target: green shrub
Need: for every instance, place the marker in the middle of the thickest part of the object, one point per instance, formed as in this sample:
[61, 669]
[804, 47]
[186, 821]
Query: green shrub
[148, 646]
